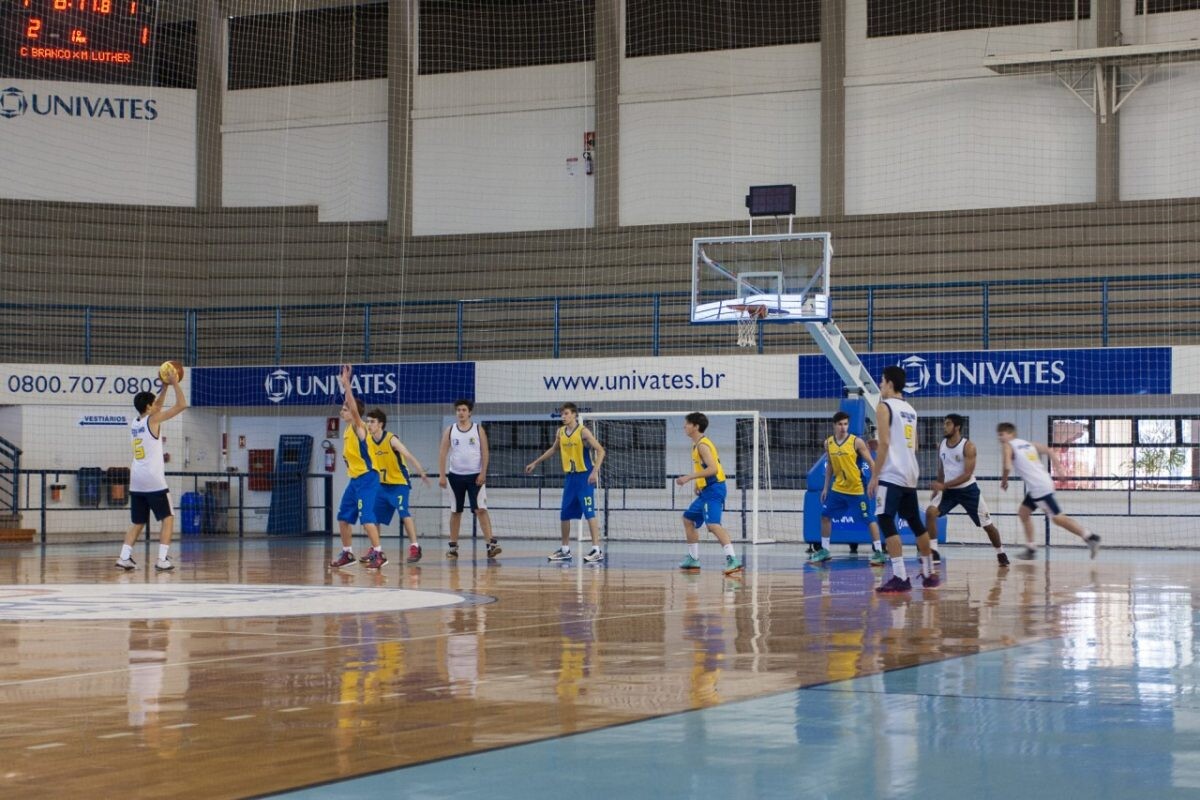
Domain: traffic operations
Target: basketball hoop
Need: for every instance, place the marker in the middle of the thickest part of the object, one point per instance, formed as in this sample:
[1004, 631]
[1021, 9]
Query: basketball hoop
[747, 323]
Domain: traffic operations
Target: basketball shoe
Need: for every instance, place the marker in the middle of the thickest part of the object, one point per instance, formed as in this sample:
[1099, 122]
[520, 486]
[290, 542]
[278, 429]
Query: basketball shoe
[493, 549]
[878, 558]
[895, 586]
[346, 559]
[594, 556]
[126, 563]
[820, 555]
[561, 554]
[690, 564]
[732, 564]
[414, 553]
[164, 565]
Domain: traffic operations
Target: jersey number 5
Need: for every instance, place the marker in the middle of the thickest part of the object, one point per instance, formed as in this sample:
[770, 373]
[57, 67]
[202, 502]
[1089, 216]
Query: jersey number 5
[139, 452]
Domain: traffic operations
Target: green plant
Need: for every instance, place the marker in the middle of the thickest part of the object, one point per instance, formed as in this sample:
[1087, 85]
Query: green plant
[1157, 461]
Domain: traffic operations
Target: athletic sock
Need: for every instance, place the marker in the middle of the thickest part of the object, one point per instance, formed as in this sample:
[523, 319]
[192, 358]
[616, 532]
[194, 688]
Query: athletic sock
[728, 550]
[926, 565]
[877, 546]
[126, 551]
[825, 542]
[898, 568]
[163, 551]
[694, 550]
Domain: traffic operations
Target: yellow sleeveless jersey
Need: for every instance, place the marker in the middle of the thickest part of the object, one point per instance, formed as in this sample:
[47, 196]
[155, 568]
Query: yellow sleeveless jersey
[389, 463]
[576, 455]
[355, 453]
[843, 460]
[698, 465]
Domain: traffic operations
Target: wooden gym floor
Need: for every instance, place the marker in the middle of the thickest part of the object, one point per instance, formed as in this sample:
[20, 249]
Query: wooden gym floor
[194, 684]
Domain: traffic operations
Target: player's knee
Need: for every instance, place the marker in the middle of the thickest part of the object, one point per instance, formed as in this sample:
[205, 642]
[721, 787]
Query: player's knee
[887, 527]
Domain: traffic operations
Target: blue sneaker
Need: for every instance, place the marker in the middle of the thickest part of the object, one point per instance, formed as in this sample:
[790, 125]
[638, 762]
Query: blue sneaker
[732, 564]
[690, 564]
[819, 555]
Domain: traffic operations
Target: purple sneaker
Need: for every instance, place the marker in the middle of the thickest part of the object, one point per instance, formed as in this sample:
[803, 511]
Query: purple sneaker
[931, 581]
[895, 586]
[344, 560]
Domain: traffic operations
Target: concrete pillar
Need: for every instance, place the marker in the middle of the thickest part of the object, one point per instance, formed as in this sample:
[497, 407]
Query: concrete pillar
[1107, 14]
[401, 69]
[833, 108]
[607, 179]
[210, 91]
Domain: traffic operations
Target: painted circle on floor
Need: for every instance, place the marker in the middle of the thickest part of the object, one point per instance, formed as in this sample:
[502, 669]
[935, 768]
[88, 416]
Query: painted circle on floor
[172, 600]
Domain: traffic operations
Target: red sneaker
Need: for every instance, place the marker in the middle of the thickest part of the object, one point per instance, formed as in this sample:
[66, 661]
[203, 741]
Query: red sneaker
[344, 560]
[414, 553]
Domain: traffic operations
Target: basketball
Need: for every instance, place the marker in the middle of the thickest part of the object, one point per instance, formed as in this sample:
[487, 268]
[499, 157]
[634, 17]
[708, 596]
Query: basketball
[171, 366]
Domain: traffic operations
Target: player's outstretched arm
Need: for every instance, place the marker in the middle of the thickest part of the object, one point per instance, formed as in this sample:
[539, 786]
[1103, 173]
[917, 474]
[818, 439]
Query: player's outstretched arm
[409, 458]
[159, 416]
[360, 427]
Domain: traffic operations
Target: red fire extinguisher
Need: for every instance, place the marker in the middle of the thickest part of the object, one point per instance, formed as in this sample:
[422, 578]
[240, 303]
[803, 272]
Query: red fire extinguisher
[330, 456]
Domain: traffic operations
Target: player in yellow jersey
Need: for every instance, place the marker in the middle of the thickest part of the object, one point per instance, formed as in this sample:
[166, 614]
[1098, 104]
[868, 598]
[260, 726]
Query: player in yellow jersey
[844, 493]
[582, 456]
[706, 509]
[358, 499]
[391, 459]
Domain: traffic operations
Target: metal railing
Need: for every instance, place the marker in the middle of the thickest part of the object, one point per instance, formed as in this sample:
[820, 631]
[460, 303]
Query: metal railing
[1093, 307]
[10, 470]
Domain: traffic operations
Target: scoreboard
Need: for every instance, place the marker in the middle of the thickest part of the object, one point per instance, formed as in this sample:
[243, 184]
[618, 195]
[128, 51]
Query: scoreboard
[105, 41]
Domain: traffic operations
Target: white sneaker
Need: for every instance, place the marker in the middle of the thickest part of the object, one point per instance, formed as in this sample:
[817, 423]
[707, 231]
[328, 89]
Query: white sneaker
[560, 554]
[164, 565]
[596, 555]
[126, 563]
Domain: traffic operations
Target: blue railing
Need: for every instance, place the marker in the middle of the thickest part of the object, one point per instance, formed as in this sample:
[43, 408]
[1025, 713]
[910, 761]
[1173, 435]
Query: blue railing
[1096, 307]
[10, 471]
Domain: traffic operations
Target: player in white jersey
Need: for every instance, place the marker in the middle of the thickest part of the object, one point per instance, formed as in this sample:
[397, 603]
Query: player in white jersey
[894, 482]
[956, 486]
[147, 474]
[462, 465]
[1025, 458]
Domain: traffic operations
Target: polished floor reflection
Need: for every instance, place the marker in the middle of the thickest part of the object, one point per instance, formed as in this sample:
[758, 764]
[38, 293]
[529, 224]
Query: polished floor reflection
[1061, 677]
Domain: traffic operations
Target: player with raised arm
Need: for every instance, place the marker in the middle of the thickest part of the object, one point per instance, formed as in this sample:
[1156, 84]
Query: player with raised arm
[147, 474]
[463, 465]
[582, 456]
[1025, 458]
[358, 499]
[391, 459]
[845, 494]
[956, 486]
[894, 481]
[706, 509]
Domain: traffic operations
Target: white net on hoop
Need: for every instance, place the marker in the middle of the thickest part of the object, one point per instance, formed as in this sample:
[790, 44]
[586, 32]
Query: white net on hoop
[747, 324]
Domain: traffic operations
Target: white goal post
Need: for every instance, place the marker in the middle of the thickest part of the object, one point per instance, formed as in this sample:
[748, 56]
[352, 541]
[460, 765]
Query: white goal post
[636, 493]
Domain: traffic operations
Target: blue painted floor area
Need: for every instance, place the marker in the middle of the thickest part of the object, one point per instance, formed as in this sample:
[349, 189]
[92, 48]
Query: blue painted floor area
[1115, 715]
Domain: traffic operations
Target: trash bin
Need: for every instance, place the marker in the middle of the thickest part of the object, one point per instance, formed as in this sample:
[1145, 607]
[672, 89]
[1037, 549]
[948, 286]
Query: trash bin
[191, 508]
[89, 486]
[117, 482]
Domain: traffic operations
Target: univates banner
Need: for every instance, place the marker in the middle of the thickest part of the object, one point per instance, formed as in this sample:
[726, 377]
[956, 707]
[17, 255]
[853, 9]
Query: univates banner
[1114, 371]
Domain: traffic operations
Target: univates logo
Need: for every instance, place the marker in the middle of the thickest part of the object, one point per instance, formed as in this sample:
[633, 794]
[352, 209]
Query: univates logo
[12, 103]
[15, 103]
[279, 386]
[916, 374]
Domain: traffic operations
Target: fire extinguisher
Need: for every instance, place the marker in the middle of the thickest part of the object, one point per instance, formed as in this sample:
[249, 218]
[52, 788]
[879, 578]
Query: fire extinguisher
[330, 456]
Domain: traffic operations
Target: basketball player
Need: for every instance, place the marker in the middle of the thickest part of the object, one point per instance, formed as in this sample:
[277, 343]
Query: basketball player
[391, 459]
[358, 499]
[147, 474]
[894, 481]
[464, 452]
[956, 486]
[709, 504]
[848, 495]
[1024, 458]
[582, 456]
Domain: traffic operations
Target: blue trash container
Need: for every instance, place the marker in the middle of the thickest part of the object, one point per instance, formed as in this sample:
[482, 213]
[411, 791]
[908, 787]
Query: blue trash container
[191, 508]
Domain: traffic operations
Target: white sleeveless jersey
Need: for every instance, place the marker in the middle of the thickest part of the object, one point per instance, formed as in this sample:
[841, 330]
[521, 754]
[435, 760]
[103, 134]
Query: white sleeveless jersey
[466, 453]
[953, 459]
[901, 468]
[1027, 463]
[147, 473]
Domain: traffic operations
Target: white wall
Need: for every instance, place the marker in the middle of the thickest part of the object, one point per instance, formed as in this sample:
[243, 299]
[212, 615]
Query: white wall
[322, 145]
[117, 154]
[490, 150]
[698, 129]
[1160, 151]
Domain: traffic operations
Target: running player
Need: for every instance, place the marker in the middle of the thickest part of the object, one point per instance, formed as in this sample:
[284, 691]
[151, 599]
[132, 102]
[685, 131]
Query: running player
[847, 496]
[706, 509]
[462, 465]
[147, 474]
[894, 481]
[956, 486]
[1024, 458]
[582, 456]
[358, 499]
[391, 459]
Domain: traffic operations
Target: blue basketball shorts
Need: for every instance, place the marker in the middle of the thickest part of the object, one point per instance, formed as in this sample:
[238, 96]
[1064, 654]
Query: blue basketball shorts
[392, 499]
[708, 506]
[578, 497]
[839, 505]
[358, 499]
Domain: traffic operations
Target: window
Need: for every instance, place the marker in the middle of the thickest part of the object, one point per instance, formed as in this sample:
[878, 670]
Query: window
[907, 17]
[466, 35]
[667, 27]
[512, 445]
[323, 46]
[1163, 6]
[1142, 453]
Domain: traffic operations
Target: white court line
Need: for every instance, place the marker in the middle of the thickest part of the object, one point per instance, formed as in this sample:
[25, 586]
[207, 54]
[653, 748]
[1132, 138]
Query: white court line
[238, 716]
[179, 725]
[292, 710]
[119, 735]
[347, 702]
[46, 746]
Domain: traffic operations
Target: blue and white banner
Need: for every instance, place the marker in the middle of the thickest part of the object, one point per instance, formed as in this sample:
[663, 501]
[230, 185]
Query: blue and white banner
[1008, 373]
[308, 385]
